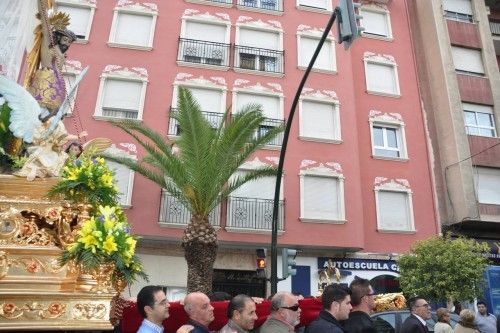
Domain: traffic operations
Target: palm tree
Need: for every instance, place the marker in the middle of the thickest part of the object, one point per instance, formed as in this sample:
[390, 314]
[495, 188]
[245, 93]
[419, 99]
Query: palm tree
[202, 174]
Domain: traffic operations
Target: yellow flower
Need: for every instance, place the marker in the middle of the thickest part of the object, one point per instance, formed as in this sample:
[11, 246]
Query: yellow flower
[109, 224]
[72, 247]
[107, 179]
[109, 245]
[131, 243]
[106, 210]
[88, 227]
[100, 160]
[89, 241]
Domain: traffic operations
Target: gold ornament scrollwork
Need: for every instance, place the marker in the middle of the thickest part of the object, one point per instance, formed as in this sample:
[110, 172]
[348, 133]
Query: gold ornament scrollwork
[35, 265]
[89, 311]
[33, 310]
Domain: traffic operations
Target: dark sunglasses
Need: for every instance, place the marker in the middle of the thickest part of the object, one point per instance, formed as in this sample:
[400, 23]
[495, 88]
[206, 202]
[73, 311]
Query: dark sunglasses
[293, 307]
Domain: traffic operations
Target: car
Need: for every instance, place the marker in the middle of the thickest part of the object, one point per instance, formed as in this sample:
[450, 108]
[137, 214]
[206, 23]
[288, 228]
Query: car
[391, 321]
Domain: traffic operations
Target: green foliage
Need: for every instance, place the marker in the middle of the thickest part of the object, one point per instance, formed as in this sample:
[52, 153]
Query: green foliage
[200, 174]
[442, 269]
[5, 133]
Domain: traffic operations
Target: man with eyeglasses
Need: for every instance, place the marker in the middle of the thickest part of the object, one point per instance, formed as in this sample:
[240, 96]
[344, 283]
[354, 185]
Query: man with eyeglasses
[363, 304]
[420, 312]
[241, 314]
[336, 300]
[153, 307]
[285, 314]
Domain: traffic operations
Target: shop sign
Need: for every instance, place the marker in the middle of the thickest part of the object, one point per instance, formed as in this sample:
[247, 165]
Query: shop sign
[360, 264]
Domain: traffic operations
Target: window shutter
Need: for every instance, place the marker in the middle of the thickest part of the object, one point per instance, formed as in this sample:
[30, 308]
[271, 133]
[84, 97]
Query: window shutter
[122, 179]
[393, 210]
[320, 198]
[209, 99]
[488, 184]
[458, 6]
[79, 19]
[258, 38]
[270, 105]
[317, 120]
[468, 60]
[262, 188]
[119, 94]
[314, 3]
[381, 78]
[133, 29]
[375, 23]
[307, 48]
[207, 32]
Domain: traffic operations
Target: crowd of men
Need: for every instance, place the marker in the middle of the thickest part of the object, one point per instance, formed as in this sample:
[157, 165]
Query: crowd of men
[344, 310]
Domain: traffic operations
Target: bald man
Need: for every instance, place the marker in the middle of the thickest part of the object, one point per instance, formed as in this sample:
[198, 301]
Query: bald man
[199, 310]
[285, 314]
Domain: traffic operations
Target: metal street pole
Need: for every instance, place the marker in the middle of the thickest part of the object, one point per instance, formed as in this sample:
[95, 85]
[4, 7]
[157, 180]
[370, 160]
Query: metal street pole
[274, 236]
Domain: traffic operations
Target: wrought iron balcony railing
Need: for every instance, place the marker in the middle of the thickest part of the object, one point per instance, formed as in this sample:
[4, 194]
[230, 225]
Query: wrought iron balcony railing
[173, 212]
[274, 5]
[264, 60]
[266, 126]
[119, 113]
[495, 28]
[214, 118]
[253, 214]
[221, 1]
[458, 16]
[203, 52]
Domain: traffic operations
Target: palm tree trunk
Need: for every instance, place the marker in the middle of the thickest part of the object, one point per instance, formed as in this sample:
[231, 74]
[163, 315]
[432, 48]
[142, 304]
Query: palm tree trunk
[200, 250]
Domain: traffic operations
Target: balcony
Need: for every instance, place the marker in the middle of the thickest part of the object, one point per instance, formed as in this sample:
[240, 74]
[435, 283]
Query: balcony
[174, 213]
[252, 215]
[203, 52]
[257, 59]
[495, 28]
[458, 16]
[119, 113]
[214, 118]
[273, 5]
[269, 124]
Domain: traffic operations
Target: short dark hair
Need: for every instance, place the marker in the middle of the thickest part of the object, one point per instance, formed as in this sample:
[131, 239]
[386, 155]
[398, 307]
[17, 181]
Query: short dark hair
[237, 303]
[218, 296]
[412, 301]
[334, 293]
[146, 297]
[481, 302]
[359, 287]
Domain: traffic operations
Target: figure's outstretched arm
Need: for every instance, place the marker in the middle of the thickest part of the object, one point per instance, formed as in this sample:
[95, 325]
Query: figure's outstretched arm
[42, 10]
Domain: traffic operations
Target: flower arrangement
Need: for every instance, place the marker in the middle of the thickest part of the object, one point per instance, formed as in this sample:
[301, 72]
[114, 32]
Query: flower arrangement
[104, 239]
[87, 180]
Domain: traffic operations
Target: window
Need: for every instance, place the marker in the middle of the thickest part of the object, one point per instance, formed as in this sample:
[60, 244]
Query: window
[376, 23]
[259, 50]
[460, 10]
[388, 136]
[121, 95]
[321, 195]
[381, 76]
[479, 120]
[326, 57]
[69, 81]
[272, 108]
[394, 207]
[488, 183]
[273, 5]
[204, 42]
[123, 176]
[133, 27]
[467, 61]
[315, 4]
[81, 16]
[319, 121]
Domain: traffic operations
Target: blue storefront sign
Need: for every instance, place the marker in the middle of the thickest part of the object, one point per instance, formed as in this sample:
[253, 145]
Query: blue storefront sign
[493, 289]
[360, 264]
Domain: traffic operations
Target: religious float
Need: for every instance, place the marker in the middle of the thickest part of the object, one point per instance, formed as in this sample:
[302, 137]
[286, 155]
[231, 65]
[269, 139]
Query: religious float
[66, 251]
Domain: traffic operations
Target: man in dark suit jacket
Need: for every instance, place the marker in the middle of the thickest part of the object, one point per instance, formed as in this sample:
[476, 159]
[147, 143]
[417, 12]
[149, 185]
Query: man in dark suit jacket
[420, 312]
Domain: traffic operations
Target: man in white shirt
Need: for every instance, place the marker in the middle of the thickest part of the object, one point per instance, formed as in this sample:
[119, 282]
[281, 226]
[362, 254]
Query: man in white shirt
[485, 322]
[153, 307]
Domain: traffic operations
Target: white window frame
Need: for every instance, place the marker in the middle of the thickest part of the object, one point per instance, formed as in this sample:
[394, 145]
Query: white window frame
[316, 34]
[322, 171]
[397, 187]
[136, 9]
[481, 109]
[319, 97]
[123, 75]
[327, 10]
[387, 15]
[371, 58]
[227, 4]
[199, 83]
[278, 11]
[388, 121]
[84, 4]
[464, 71]
[114, 151]
[259, 90]
[478, 170]
[206, 19]
[74, 72]
[264, 27]
[458, 16]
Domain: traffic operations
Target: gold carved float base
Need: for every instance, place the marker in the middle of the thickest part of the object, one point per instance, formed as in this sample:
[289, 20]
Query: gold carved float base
[35, 292]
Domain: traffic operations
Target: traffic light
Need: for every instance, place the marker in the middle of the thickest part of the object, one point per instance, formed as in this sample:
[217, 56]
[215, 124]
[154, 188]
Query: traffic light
[348, 22]
[288, 260]
[261, 262]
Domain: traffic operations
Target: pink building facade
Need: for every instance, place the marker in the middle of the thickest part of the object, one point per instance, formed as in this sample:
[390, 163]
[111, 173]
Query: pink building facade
[357, 184]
